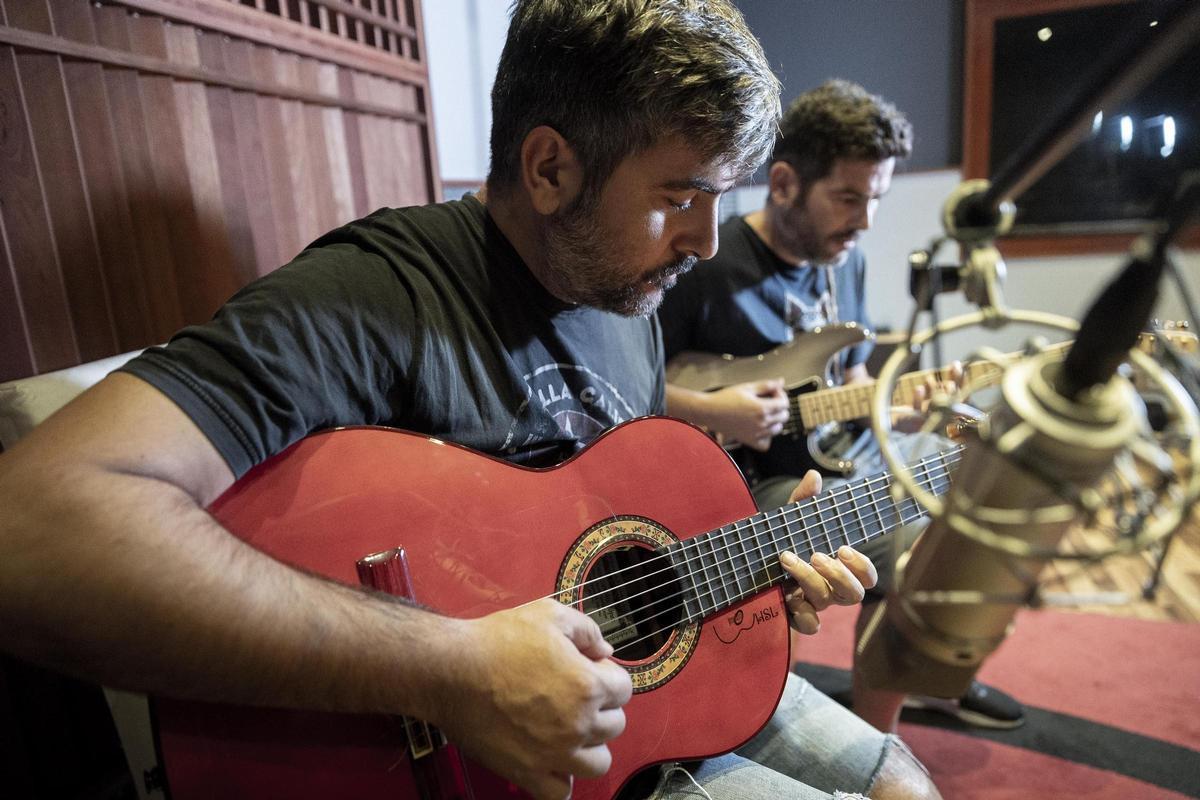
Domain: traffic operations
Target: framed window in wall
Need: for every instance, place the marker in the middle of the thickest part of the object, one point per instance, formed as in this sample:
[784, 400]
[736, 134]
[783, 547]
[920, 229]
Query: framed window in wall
[1026, 60]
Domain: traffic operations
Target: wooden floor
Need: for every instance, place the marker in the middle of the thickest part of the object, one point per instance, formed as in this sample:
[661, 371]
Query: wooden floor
[1178, 588]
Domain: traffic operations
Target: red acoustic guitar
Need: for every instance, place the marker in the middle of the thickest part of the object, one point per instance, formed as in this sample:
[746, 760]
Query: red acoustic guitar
[650, 530]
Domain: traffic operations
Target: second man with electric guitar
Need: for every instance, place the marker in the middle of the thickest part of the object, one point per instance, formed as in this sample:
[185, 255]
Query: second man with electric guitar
[791, 275]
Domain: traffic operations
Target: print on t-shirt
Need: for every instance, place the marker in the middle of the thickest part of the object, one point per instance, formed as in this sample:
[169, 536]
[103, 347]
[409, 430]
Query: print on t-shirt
[582, 403]
[801, 316]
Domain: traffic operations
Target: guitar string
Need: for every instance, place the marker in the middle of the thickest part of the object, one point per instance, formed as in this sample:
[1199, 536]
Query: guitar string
[847, 491]
[937, 484]
[840, 401]
[729, 536]
[761, 548]
[771, 581]
[987, 367]
[624, 646]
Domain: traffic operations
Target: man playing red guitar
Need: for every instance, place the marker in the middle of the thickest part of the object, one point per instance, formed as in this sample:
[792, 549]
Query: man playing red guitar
[518, 322]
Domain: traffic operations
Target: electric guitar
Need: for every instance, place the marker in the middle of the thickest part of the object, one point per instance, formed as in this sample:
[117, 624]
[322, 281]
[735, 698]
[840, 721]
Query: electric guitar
[804, 365]
[815, 406]
[841, 403]
[671, 559]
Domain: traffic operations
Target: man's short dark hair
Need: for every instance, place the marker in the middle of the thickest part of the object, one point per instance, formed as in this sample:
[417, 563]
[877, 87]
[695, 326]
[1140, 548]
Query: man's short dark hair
[615, 77]
[839, 119]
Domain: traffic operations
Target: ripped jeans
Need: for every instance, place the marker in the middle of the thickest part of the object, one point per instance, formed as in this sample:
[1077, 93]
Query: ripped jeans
[812, 749]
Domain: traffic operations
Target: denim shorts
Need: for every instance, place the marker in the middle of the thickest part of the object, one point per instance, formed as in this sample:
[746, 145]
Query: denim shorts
[811, 749]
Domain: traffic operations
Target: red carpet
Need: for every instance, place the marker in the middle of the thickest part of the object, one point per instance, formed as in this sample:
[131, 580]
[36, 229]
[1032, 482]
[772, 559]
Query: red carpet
[1104, 696]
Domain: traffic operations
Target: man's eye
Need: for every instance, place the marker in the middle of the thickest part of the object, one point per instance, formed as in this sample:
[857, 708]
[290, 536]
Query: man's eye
[684, 206]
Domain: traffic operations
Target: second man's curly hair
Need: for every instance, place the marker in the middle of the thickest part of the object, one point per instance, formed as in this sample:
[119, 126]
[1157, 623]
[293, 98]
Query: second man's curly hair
[839, 119]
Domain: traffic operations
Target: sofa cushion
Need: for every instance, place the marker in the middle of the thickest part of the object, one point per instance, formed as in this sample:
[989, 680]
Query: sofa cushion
[25, 402]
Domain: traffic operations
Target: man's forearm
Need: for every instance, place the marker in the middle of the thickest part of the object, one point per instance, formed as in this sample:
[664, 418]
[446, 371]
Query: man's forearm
[688, 404]
[125, 580]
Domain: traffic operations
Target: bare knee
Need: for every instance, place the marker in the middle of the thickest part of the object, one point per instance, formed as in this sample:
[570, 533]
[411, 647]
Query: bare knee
[902, 777]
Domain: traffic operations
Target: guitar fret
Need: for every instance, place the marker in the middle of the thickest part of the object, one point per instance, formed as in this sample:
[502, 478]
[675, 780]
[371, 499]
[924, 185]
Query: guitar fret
[809, 547]
[732, 536]
[862, 523]
[788, 540]
[767, 551]
[733, 562]
[730, 580]
[707, 560]
[874, 502]
[697, 599]
[758, 556]
[752, 556]
[840, 536]
[728, 535]
[720, 585]
[824, 521]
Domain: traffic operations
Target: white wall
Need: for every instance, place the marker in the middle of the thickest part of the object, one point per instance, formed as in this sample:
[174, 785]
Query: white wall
[464, 39]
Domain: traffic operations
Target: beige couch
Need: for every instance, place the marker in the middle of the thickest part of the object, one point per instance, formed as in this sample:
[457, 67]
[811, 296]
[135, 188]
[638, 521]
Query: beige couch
[23, 404]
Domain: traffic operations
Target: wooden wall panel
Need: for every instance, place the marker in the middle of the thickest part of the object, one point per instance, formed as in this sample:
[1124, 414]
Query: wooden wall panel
[99, 157]
[155, 155]
[258, 216]
[16, 357]
[44, 308]
[44, 83]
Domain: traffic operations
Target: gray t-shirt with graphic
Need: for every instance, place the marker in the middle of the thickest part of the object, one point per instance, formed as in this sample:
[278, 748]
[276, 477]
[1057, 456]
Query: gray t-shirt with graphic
[419, 318]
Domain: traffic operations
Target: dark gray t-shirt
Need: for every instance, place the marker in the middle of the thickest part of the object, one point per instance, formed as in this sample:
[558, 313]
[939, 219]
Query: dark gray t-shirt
[747, 300]
[419, 318]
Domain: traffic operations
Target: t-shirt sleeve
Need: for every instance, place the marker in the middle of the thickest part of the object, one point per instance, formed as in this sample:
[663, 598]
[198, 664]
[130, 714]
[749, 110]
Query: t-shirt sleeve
[286, 356]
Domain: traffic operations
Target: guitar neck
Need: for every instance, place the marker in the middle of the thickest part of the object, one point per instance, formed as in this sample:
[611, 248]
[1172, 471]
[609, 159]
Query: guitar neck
[854, 400]
[737, 561]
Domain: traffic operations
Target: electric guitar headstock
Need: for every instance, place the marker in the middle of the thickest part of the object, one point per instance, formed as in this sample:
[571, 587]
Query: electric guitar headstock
[1176, 333]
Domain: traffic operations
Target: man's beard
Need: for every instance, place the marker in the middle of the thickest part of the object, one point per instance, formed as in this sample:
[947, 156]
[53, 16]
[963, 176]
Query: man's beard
[583, 261]
[807, 242]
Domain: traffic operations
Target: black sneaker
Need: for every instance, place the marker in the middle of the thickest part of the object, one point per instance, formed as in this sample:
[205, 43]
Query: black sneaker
[982, 706]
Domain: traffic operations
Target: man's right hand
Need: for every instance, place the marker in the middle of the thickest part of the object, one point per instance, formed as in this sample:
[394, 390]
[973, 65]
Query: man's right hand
[750, 413]
[537, 698]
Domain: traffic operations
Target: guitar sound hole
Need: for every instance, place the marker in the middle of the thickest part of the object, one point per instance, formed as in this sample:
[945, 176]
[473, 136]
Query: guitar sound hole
[635, 596]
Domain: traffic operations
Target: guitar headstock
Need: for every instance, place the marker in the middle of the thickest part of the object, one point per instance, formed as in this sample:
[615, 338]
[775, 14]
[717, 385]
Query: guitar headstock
[1177, 333]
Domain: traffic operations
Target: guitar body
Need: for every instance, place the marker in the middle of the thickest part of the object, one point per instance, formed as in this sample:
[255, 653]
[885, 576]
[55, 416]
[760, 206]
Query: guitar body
[480, 535]
[803, 363]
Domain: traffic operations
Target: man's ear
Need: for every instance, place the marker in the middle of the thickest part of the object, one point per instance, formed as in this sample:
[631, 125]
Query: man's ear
[785, 186]
[550, 172]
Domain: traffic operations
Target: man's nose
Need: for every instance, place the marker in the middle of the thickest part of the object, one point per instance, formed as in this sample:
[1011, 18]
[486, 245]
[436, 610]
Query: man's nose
[865, 215]
[701, 238]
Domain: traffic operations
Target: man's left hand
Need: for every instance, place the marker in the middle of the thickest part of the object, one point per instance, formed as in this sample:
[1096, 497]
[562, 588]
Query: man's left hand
[838, 580]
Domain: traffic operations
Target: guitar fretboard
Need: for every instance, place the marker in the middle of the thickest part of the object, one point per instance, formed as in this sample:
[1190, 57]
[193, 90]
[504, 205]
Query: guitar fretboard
[736, 561]
[842, 403]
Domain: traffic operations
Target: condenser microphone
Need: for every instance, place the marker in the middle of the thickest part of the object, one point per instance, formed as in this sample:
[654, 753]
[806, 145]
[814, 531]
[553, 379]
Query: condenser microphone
[1028, 477]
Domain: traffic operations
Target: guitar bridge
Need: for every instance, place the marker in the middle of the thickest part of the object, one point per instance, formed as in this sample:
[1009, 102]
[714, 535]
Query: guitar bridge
[423, 738]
